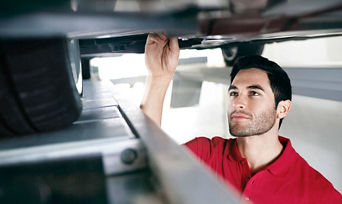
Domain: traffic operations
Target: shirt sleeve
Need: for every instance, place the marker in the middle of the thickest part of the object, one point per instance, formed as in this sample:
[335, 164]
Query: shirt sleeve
[201, 147]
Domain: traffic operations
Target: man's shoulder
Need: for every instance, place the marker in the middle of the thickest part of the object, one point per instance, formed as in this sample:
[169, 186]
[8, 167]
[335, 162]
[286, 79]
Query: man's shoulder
[215, 141]
[298, 165]
[205, 147]
[308, 171]
[314, 182]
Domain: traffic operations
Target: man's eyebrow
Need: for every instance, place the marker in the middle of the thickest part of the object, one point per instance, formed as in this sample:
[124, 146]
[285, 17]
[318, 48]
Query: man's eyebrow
[256, 87]
[232, 87]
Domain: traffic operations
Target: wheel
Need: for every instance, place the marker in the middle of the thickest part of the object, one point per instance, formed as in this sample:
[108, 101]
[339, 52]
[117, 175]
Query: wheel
[232, 52]
[37, 87]
[75, 62]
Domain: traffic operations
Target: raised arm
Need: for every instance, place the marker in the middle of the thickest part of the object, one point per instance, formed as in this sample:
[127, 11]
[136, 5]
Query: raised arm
[161, 58]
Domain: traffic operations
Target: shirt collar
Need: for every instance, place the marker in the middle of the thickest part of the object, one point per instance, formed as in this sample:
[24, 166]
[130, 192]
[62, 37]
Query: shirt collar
[286, 159]
[281, 165]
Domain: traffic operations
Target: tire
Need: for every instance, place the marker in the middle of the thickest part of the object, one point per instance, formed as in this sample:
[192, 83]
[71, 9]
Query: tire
[232, 52]
[75, 62]
[37, 88]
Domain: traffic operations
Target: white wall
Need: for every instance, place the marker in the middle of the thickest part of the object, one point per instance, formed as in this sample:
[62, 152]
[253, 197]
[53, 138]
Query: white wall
[314, 125]
[315, 129]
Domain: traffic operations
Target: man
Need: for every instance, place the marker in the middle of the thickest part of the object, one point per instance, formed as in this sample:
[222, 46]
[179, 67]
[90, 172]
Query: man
[260, 164]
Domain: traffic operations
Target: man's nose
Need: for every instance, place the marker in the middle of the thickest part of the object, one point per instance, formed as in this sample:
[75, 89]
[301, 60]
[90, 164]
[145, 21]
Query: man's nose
[239, 102]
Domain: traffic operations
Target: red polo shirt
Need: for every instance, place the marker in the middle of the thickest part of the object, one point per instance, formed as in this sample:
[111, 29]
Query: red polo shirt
[289, 179]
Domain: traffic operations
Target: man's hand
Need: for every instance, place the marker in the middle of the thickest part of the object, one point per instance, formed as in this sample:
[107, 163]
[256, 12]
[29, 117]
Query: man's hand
[161, 58]
[161, 55]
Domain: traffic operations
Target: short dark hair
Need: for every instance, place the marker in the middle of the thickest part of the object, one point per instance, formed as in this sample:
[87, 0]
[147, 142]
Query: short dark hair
[279, 80]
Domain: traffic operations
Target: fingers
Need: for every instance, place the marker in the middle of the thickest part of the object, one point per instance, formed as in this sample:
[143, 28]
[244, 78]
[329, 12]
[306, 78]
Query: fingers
[162, 40]
[162, 36]
[161, 54]
[156, 38]
[174, 47]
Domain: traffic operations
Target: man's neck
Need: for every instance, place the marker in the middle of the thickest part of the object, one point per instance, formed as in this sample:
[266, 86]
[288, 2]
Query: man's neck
[260, 150]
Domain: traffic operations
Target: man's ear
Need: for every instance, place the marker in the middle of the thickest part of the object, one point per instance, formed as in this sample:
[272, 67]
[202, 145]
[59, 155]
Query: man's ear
[283, 108]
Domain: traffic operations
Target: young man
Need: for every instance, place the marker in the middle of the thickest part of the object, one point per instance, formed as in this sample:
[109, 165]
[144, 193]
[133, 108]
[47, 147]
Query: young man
[260, 164]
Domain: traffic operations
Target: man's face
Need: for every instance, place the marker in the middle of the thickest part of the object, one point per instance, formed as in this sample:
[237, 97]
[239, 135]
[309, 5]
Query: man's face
[251, 109]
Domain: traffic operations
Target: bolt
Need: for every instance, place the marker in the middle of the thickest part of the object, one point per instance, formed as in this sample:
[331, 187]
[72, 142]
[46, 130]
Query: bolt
[128, 156]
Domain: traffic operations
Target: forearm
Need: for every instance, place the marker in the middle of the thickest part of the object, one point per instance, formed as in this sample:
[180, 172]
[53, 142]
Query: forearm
[155, 90]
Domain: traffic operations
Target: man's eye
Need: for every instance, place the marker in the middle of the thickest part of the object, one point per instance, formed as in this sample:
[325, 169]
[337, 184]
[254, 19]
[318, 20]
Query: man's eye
[233, 93]
[253, 93]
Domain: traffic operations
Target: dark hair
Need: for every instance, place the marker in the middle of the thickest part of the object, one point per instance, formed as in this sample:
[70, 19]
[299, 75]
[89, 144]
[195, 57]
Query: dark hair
[279, 80]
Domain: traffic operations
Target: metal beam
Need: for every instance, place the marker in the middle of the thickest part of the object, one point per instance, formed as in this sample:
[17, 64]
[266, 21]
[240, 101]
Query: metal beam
[183, 178]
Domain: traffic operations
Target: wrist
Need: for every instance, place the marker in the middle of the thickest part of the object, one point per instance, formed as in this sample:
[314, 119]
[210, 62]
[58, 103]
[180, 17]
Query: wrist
[157, 85]
[162, 79]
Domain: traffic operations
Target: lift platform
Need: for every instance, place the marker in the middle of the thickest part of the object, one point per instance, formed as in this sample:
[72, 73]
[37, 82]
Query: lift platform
[112, 154]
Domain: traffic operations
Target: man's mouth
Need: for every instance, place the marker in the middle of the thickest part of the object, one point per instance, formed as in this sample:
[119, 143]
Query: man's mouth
[240, 116]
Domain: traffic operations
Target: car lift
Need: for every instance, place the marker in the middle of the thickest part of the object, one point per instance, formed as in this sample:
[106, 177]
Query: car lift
[112, 154]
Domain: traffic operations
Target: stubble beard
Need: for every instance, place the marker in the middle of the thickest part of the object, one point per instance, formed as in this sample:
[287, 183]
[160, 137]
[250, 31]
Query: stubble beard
[259, 125]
